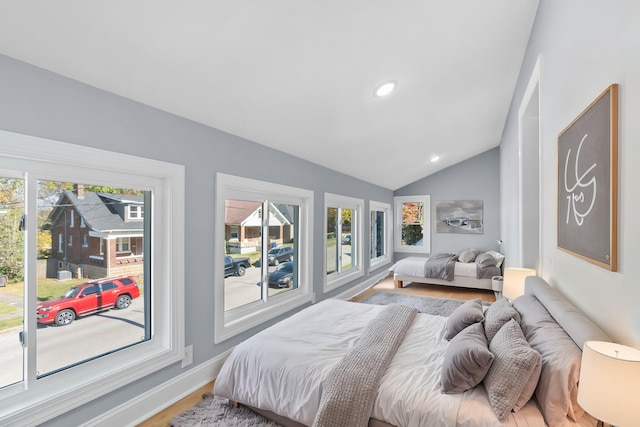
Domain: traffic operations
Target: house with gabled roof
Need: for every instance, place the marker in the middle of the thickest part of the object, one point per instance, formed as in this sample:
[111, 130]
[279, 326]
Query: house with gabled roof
[243, 225]
[97, 235]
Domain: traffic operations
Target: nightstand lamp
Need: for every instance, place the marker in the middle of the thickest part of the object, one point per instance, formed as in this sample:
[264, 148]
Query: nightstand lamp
[609, 387]
[513, 285]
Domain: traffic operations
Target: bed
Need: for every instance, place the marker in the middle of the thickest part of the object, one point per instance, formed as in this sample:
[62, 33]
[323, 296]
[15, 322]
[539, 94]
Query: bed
[286, 371]
[469, 268]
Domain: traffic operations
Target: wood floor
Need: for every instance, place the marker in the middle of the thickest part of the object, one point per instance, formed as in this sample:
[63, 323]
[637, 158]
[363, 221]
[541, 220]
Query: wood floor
[162, 418]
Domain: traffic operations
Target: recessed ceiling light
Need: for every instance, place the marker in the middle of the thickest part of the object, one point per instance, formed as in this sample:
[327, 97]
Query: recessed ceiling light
[435, 158]
[386, 88]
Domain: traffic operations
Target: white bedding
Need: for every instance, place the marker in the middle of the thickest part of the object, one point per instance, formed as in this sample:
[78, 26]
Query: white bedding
[414, 266]
[282, 368]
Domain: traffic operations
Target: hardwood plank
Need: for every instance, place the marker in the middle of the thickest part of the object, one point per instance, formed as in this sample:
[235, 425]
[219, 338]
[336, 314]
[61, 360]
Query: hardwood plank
[162, 418]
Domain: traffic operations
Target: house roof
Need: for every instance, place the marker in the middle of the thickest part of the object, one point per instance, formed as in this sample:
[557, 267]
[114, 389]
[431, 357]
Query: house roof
[99, 210]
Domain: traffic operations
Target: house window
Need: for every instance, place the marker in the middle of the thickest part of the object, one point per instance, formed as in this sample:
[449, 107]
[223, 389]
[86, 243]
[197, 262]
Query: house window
[380, 234]
[126, 351]
[85, 240]
[70, 240]
[412, 231]
[82, 223]
[269, 272]
[101, 246]
[343, 242]
[123, 244]
[71, 219]
[135, 211]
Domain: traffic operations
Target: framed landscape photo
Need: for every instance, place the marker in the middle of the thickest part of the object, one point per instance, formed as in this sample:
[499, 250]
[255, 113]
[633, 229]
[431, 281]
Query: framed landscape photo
[588, 183]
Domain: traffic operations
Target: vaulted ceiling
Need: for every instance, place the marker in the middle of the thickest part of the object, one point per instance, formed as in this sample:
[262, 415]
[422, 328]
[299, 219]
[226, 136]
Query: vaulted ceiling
[299, 76]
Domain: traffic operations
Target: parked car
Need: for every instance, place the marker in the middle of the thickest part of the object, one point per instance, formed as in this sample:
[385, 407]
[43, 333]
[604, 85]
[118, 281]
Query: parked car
[346, 239]
[281, 277]
[235, 266]
[88, 298]
[280, 254]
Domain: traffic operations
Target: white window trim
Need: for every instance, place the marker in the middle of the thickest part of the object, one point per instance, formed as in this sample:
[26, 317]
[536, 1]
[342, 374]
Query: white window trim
[34, 401]
[337, 279]
[377, 262]
[246, 317]
[60, 243]
[426, 229]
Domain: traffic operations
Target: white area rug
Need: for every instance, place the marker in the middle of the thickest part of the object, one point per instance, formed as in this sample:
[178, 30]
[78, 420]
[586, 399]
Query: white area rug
[430, 305]
[217, 412]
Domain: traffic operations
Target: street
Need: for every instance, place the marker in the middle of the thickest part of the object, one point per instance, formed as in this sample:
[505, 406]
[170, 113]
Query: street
[82, 339]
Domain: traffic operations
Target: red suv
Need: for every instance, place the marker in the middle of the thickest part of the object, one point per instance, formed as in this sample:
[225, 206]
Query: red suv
[87, 298]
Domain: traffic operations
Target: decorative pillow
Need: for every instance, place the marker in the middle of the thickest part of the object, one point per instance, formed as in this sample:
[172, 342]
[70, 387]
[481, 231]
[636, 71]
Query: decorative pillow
[485, 260]
[467, 314]
[466, 360]
[498, 256]
[557, 389]
[515, 366]
[498, 313]
[468, 255]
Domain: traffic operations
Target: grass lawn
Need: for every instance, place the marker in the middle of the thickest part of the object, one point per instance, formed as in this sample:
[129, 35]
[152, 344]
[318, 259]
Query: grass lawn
[47, 288]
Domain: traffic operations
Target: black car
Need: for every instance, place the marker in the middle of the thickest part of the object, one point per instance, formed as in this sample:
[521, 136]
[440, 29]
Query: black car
[235, 266]
[280, 254]
[282, 277]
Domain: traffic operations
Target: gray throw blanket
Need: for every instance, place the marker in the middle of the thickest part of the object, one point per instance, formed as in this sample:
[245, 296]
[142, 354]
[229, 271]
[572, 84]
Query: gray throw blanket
[350, 388]
[440, 266]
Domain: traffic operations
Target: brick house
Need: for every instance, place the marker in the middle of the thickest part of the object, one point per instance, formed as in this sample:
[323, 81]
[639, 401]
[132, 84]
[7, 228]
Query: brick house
[97, 235]
[243, 225]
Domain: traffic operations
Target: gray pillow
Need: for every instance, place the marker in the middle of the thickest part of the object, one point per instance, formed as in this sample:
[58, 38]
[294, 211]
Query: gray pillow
[512, 370]
[485, 260]
[557, 389]
[466, 360]
[498, 313]
[467, 314]
[468, 255]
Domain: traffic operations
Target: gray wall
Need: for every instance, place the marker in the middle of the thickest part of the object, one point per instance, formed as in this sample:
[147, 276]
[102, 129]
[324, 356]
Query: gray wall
[39, 103]
[477, 178]
[584, 47]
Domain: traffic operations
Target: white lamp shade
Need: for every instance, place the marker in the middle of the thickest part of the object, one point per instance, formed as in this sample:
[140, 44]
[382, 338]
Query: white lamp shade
[609, 387]
[513, 285]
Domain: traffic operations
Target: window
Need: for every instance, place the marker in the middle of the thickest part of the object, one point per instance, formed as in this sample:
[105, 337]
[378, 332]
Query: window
[46, 171]
[71, 219]
[135, 211]
[123, 244]
[412, 230]
[252, 282]
[70, 240]
[343, 242]
[85, 240]
[82, 223]
[380, 235]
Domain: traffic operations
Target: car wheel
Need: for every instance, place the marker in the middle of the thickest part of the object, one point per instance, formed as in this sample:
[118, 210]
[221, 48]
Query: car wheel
[64, 317]
[276, 262]
[241, 270]
[123, 302]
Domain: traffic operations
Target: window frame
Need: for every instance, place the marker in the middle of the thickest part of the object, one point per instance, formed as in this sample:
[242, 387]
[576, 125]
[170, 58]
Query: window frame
[235, 321]
[336, 279]
[385, 208]
[32, 401]
[398, 202]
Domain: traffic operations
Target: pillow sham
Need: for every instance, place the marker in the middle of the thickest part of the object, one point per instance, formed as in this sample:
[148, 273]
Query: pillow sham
[466, 360]
[467, 314]
[498, 256]
[557, 389]
[485, 260]
[468, 255]
[515, 366]
[498, 313]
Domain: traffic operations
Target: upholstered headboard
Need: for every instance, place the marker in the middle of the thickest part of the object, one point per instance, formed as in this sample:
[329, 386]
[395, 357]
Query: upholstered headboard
[576, 324]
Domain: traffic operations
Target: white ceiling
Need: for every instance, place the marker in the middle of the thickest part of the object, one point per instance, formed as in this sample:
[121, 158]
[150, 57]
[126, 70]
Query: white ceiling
[299, 75]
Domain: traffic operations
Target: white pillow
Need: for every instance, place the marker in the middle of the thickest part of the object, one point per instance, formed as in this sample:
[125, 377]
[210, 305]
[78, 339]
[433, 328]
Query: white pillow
[498, 256]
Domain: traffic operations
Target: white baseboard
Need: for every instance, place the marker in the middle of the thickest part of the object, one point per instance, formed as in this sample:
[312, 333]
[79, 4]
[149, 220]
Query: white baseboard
[153, 401]
[358, 289]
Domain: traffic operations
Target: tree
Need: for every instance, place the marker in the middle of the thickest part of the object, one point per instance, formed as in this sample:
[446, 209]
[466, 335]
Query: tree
[11, 234]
